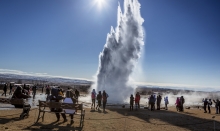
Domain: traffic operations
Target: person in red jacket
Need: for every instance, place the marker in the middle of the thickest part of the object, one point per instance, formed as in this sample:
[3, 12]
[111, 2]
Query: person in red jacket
[137, 99]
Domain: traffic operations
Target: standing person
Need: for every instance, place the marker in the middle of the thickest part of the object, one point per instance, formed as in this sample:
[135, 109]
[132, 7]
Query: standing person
[99, 99]
[5, 89]
[182, 101]
[158, 102]
[138, 97]
[136, 102]
[152, 102]
[131, 102]
[155, 99]
[205, 102]
[166, 101]
[77, 95]
[10, 86]
[216, 105]
[34, 89]
[47, 91]
[104, 99]
[177, 104]
[28, 89]
[209, 105]
[93, 96]
[42, 89]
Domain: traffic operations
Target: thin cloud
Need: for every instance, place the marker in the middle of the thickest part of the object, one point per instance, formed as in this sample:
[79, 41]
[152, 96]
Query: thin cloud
[17, 72]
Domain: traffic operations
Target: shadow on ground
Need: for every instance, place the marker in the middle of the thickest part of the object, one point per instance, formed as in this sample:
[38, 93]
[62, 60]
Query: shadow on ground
[170, 118]
[53, 126]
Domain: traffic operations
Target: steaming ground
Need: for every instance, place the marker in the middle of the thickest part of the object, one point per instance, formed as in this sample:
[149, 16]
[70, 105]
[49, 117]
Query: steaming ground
[121, 52]
[191, 99]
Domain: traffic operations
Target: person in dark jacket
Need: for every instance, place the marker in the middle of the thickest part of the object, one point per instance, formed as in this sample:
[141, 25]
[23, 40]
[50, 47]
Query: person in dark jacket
[99, 99]
[217, 103]
[18, 94]
[158, 102]
[205, 102]
[77, 95]
[10, 86]
[34, 90]
[104, 99]
[5, 89]
[209, 105]
[182, 101]
[152, 102]
[131, 102]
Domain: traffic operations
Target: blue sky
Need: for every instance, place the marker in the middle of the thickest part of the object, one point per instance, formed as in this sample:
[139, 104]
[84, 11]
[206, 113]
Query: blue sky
[64, 38]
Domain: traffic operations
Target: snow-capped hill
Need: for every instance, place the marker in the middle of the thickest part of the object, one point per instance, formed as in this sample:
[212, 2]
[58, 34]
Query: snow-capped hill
[46, 78]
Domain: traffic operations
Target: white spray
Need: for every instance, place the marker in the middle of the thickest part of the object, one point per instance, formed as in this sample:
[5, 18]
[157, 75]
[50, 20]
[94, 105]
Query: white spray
[121, 52]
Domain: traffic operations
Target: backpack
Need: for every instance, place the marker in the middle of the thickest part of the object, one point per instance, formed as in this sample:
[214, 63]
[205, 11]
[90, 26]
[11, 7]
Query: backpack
[93, 95]
[54, 92]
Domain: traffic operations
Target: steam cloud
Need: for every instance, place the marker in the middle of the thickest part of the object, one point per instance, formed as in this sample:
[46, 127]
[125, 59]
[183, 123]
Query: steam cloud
[121, 52]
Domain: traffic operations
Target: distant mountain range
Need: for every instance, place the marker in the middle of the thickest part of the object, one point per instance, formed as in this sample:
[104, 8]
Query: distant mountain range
[14, 76]
[49, 79]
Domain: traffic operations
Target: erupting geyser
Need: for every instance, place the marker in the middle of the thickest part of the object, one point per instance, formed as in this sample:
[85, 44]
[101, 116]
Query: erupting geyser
[121, 52]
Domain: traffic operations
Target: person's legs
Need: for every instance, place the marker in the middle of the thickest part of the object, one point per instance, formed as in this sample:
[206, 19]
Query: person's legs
[158, 106]
[209, 109]
[99, 105]
[181, 108]
[136, 106]
[205, 109]
[216, 110]
[71, 116]
[104, 104]
[77, 99]
[152, 106]
[93, 101]
[34, 95]
[64, 116]
[58, 116]
[92, 104]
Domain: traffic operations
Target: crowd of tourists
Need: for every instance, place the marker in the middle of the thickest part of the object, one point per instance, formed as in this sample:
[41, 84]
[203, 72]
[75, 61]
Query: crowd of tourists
[208, 103]
[101, 98]
[57, 94]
